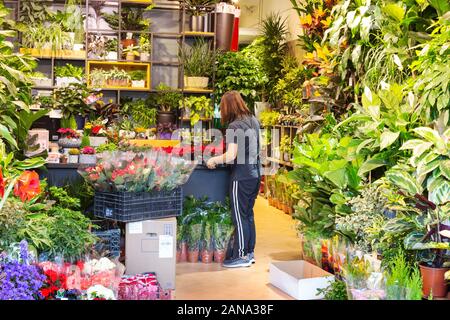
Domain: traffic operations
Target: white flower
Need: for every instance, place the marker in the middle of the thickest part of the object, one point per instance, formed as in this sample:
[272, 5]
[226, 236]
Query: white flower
[99, 291]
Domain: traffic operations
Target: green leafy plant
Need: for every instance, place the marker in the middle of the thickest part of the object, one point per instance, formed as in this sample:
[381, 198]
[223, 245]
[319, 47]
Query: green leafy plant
[138, 75]
[274, 32]
[198, 106]
[166, 98]
[198, 60]
[336, 290]
[145, 44]
[142, 114]
[69, 70]
[71, 100]
[269, 118]
[197, 7]
[402, 281]
[106, 147]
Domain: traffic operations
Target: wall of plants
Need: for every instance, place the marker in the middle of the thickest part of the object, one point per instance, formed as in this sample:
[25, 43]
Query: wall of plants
[375, 171]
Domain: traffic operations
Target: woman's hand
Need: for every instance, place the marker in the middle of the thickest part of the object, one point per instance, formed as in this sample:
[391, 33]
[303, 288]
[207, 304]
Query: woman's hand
[211, 163]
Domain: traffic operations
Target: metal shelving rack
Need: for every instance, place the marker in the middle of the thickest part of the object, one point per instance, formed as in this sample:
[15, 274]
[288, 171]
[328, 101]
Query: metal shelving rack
[180, 36]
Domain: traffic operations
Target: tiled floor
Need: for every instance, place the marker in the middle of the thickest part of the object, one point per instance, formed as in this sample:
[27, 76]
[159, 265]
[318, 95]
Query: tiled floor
[276, 240]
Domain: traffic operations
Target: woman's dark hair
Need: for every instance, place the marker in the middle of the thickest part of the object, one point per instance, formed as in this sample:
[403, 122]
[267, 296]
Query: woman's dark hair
[232, 107]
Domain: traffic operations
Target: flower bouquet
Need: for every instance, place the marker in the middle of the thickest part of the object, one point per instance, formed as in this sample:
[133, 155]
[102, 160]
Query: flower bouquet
[96, 131]
[138, 172]
[139, 287]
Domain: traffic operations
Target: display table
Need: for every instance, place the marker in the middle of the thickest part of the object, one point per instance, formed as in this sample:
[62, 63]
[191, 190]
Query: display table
[203, 182]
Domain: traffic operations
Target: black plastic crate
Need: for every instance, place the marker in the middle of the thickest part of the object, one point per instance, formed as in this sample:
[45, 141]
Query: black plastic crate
[138, 206]
[109, 241]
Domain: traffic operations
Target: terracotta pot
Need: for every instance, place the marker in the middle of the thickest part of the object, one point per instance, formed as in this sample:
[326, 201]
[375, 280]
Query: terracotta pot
[219, 255]
[183, 252]
[433, 281]
[193, 256]
[270, 201]
[178, 255]
[291, 210]
[207, 256]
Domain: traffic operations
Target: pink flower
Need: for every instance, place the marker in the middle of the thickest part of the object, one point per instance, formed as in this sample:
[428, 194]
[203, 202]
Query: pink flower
[88, 150]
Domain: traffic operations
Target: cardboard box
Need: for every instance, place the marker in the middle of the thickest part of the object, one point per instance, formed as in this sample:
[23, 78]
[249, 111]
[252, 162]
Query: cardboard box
[299, 279]
[150, 246]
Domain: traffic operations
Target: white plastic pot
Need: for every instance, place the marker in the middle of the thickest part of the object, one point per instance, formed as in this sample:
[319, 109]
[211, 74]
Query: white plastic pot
[111, 55]
[145, 56]
[66, 81]
[55, 114]
[73, 158]
[88, 158]
[97, 141]
[138, 83]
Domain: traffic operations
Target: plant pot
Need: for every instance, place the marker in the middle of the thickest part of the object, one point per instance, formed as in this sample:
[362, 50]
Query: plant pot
[130, 57]
[111, 55]
[260, 107]
[73, 158]
[145, 56]
[97, 141]
[196, 82]
[166, 117]
[207, 256]
[183, 252]
[69, 143]
[128, 42]
[433, 281]
[42, 82]
[193, 256]
[63, 159]
[138, 83]
[197, 23]
[88, 158]
[286, 157]
[219, 255]
[178, 255]
[78, 47]
[66, 81]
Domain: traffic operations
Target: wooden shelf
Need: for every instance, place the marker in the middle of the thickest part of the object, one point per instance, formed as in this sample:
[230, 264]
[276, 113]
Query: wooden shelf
[198, 34]
[191, 90]
[202, 119]
[58, 54]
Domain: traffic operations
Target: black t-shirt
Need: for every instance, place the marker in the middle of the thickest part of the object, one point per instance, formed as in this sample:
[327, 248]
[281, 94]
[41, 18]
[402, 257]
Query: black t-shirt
[245, 133]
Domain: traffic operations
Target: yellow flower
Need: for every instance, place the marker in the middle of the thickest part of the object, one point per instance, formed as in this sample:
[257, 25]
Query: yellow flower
[306, 20]
[326, 23]
[88, 126]
[140, 130]
[319, 13]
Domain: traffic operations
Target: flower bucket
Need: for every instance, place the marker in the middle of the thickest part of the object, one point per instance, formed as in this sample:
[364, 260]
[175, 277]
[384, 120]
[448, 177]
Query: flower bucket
[88, 158]
[145, 56]
[112, 55]
[196, 82]
[97, 141]
[207, 256]
[219, 256]
[138, 83]
[193, 256]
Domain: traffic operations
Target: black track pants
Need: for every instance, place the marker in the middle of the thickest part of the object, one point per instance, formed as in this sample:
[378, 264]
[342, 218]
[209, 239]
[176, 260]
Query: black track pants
[242, 197]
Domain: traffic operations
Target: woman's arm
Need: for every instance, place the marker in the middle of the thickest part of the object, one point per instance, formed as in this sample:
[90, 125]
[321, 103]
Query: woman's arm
[228, 156]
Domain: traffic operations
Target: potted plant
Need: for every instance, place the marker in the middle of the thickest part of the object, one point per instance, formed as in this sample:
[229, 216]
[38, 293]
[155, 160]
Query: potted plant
[97, 132]
[196, 108]
[131, 52]
[40, 80]
[198, 62]
[111, 47]
[63, 159]
[182, 248]
[166, 100]
[77, 100]
[207, 243]
[88, 156]
[118, 78]
[138, 78]
[165, 130]
[73, 155]
[69, 138]
[286, 148]
[145, 46]
[68, 74]
[97, 46]
[194, 237]
[198, 11]
[97, 78]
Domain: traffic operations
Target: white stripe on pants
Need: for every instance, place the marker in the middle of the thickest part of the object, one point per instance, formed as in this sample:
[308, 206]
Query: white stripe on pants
[238, 218]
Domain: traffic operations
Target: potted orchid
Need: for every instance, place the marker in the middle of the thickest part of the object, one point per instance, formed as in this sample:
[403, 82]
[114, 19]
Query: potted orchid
[88, 156]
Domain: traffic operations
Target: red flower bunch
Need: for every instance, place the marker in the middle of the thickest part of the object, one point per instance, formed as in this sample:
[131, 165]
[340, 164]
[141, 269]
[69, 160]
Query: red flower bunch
[69, 133]
[96, 130]
[27, 186]
[2, 184]
[88, 150]
[55, 281]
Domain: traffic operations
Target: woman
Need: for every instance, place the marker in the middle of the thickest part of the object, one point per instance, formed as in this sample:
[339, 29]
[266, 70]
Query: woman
[242, 139]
